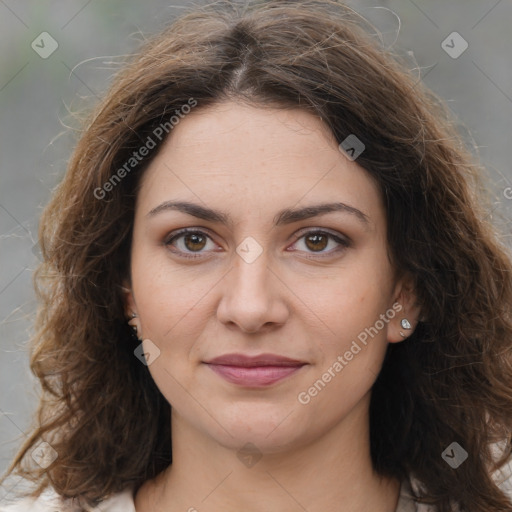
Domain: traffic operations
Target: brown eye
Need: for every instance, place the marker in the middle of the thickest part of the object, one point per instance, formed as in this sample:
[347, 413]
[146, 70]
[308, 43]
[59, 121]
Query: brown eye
[317, 242]
[187, 242]
[194, 241]
[321, 243]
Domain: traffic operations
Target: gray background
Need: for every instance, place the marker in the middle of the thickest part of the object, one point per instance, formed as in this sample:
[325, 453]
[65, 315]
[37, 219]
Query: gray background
[38, 97]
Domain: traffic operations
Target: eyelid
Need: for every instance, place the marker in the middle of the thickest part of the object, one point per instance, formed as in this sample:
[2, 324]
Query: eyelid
[317, 229]
[183, 231]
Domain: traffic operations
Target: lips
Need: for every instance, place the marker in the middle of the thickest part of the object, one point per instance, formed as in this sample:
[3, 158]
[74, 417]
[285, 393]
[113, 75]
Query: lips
[254, 371]
[251, 361]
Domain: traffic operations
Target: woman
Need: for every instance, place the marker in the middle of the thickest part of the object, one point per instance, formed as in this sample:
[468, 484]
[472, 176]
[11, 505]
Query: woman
[269, 284]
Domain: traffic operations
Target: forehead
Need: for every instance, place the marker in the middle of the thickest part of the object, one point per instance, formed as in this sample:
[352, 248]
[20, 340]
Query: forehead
[249, 158]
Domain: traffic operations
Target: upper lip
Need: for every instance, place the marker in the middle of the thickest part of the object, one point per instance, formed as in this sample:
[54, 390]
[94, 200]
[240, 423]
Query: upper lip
[253, 361]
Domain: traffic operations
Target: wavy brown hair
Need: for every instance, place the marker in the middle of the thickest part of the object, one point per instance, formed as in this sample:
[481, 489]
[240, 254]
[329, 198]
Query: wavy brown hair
[450, 381]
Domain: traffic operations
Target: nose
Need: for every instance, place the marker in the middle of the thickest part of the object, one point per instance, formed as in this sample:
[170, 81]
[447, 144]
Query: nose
[253, 297]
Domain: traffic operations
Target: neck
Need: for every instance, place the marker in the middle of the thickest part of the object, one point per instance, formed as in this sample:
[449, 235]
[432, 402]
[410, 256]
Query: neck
[333, 472]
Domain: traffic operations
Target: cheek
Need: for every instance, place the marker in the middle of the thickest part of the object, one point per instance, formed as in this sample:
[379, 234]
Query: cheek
[351, 358]
[170, 315]
[174, 307]
[165, 294]
[348, 301]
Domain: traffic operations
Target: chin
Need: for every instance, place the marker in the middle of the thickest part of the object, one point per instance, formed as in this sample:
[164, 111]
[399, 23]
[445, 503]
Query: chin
[269, 427]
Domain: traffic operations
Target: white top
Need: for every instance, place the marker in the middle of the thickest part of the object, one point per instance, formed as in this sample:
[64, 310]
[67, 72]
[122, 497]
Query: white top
[49, 501]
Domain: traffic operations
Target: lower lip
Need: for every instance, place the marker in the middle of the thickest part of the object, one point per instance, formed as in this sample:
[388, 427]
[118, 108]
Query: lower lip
[257, 376]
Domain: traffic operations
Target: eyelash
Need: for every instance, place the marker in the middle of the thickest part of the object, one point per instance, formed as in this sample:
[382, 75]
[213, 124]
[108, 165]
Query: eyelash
[344, 243]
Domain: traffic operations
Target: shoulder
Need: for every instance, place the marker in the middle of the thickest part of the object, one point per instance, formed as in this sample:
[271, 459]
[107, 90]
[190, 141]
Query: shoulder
[406, 501]
[50, 501]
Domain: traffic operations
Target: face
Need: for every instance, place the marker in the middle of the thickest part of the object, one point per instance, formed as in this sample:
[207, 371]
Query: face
[267, 320]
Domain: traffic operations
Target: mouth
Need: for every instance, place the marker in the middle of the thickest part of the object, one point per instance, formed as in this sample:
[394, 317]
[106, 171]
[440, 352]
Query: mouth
[254, 371]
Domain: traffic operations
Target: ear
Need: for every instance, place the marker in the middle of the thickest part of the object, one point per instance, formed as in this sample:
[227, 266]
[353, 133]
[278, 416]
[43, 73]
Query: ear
[130, 308]
[408, 311]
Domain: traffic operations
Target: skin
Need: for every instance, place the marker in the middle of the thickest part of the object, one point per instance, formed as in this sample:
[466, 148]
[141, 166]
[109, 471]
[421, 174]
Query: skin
[250, 162]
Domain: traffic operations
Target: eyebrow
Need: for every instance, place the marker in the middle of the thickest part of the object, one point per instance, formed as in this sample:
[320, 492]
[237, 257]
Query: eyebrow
[283, 217]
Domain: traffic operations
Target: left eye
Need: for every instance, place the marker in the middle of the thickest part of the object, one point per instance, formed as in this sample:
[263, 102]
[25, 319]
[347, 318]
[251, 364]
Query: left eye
[317, 241]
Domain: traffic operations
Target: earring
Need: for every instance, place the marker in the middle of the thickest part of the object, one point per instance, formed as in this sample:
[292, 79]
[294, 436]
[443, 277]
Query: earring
[133, 325]
[405, 325]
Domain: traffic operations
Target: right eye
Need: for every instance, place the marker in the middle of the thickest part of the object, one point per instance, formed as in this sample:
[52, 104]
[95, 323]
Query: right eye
[188, 241]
